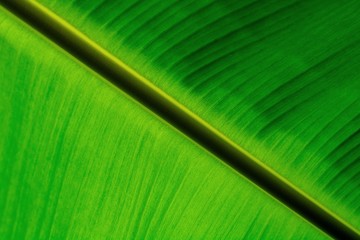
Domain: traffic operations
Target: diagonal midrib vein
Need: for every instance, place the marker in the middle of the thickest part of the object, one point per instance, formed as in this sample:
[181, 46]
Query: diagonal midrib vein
[178, 116]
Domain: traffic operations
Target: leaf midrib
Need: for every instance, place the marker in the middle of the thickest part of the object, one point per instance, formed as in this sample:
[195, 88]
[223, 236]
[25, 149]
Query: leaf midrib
[178, 116]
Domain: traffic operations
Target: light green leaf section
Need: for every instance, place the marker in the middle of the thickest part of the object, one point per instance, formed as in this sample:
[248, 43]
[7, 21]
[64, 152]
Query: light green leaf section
[80, 160]
[280, 78]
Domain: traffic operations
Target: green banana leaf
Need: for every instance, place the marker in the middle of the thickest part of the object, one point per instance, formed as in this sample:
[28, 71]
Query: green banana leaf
[79, 159]
[280, 78]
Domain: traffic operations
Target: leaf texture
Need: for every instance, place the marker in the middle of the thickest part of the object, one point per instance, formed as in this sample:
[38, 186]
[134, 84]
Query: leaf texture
[280, 78]
[80, 160]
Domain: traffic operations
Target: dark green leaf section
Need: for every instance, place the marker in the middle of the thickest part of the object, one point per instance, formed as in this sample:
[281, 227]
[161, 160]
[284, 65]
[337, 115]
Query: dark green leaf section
[281, 78]
[80, 160]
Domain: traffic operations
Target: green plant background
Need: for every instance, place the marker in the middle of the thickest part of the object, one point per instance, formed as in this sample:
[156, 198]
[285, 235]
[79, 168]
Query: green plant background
[280, 78]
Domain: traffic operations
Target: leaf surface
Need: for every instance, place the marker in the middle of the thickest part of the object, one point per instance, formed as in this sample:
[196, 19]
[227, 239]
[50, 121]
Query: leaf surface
[79, 159]
[280, 78]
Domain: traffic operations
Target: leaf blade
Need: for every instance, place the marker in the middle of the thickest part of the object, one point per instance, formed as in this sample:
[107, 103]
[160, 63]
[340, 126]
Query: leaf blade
[70, 174]
[297, 45]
